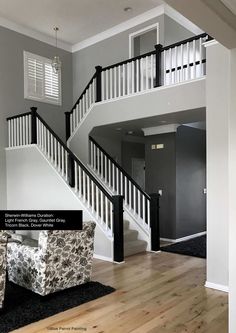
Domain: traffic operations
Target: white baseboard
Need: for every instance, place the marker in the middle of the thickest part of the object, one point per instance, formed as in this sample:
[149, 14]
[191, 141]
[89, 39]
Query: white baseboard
[216, 286]
[183, 238]
[97, 256]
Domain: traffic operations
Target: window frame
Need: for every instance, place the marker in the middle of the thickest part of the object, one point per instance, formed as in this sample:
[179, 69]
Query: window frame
[43, 99]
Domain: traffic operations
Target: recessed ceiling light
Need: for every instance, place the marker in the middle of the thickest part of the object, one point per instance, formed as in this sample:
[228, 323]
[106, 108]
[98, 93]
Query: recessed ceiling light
[163, 121]
[127, 9]
[118, 129]
[130, 132]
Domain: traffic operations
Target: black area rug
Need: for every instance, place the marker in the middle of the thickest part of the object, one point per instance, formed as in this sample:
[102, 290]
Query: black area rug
[23, 307]
[195, 247]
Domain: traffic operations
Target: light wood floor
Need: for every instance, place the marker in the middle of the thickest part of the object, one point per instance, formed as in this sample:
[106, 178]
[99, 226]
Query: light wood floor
[155, 293]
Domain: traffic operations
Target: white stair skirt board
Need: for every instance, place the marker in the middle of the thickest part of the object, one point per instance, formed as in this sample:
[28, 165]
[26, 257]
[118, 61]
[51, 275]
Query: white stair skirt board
[183, 238]
[27, 191]
[216, 286]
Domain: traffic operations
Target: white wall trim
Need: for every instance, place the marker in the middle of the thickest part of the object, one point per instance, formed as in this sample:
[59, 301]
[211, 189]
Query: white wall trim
[179, 18]
[171, 240]
[34, 34]
[148, 15]
[141, 32]
[216, 286]
[97, 256]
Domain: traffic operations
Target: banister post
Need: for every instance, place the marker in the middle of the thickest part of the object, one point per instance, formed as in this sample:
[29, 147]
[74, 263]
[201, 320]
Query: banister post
[158, 49]
[67, 115]
[154, 222]
[98, 83]
[33, 125]
[118, 228]
[71, 163]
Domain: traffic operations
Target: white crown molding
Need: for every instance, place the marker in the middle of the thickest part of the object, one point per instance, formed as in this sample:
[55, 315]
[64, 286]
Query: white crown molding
[150, 14]
[179, 18]
[34, 34]
[162, 129]
[217, 286]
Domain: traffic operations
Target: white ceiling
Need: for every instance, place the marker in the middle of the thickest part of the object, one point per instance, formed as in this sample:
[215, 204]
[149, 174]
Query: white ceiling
[77, 19]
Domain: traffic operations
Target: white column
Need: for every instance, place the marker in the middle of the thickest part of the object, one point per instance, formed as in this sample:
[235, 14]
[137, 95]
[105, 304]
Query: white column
[217, 120]
[232, 195]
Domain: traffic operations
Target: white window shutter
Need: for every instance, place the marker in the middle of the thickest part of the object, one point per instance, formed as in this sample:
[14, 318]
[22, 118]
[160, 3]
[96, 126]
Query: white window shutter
[40, 82]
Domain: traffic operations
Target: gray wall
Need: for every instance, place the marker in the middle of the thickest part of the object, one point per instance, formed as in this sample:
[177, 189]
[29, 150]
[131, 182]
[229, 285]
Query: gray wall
[131, 150]
[12, 100]
[190, 181]
[116, 48]
[174, 32]
[161, 174]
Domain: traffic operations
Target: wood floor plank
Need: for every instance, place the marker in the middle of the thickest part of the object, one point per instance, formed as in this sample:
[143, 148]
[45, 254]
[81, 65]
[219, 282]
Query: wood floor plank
[155, 293]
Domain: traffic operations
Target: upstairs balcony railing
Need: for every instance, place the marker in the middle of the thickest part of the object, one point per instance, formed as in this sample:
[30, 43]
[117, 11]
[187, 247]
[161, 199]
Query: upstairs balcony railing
[173, 64]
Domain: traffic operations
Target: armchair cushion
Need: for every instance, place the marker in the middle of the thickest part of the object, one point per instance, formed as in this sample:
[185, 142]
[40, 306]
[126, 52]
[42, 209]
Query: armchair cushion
[63, 259]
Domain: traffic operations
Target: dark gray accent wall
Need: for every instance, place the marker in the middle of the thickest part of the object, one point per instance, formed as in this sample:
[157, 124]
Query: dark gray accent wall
[131, 150]
[190, 181]
[12, 102]
[161, 174]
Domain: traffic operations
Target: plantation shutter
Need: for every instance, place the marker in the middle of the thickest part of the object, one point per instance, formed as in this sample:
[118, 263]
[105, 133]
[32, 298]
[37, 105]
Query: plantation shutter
[41, 83]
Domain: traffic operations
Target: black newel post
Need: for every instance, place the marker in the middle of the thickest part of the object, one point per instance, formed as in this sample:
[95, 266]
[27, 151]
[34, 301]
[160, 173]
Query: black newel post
[67, 115]
[33, 125]
[158, 49]
[71, 163]
[154, 222]
[98, 83]
[118, 228]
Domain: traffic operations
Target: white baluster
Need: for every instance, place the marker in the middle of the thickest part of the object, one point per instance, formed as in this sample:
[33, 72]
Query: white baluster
[107, 84]
[152, 72]
[111, 217]
[105, 163]
[126, 191]
[115, 82]
[102, 206]
[142, 74]
[84, 185]
[124, 79]
[76, 176]
[113, 177]
[92, 204]
[62, 161]
[106, 212]
[194, 59]
[88, 190]
[181, 63]
[79, 182]
[66, 166]
[130, 194]
[148, 213]
[97, 201]
[59, 156]
[188, 72]
[109, 172]
[9, 133]
[146, 71]
[119, 81]
[128, 78]
[103, 86]
[134, 198]
[138, 210]
[132, 77]
[137, 75]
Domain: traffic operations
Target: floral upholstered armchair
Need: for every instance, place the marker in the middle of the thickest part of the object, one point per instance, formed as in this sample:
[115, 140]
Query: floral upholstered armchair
[61, 259]
[3, 260]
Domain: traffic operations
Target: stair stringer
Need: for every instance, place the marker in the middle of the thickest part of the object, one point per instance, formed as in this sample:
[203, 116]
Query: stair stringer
[33, 183]
[144, 232]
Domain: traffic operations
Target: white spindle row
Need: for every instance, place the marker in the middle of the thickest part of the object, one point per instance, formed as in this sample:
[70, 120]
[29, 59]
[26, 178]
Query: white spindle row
[53, 149]
[129, 78]
[184, 62]
[119, 183]
[94, 198]
[19, 131]
[81, 109]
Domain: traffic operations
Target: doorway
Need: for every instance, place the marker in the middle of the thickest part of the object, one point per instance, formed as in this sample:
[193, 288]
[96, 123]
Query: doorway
[143, 41]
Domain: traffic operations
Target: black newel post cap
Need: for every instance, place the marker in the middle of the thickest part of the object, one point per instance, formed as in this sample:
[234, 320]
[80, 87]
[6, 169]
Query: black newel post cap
[33, 108]
[158, 47]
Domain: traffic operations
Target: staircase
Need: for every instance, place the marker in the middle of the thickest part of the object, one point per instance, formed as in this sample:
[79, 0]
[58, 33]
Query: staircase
[126, 216]
[132, 244]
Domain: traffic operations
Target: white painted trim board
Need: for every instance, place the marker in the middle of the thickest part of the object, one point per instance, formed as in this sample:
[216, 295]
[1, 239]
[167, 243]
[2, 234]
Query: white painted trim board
[182, 239]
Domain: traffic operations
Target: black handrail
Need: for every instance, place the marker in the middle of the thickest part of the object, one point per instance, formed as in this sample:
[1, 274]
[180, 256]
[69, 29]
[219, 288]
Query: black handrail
[83, 92]
[129, 60]
[19, 115]
[185, 41]
[75, 158]
[120, 168]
